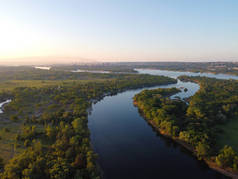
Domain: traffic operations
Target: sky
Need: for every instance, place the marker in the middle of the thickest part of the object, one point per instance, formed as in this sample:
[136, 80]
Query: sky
[118, 30]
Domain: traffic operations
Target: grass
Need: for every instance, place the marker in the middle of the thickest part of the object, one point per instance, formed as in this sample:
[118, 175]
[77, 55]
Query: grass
[11, 84]
[229, 135]
[8, 138]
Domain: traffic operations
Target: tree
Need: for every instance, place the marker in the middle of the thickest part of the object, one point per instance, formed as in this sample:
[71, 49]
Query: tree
[14, 118]
[202, 150]
[59, 169]
[27, 143]
[235, 163]
[225, 157]
[79, 161]
[50, 132]
[185, 136]
[1, 163]
[78, 125]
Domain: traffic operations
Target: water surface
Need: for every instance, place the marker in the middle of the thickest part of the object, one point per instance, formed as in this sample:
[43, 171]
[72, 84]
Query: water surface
[43, 68]
[129, 148]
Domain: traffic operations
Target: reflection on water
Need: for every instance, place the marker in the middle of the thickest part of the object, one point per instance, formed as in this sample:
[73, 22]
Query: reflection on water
[129, 148]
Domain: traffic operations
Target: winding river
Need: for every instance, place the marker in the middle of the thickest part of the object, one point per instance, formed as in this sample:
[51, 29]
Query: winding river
[129, 148]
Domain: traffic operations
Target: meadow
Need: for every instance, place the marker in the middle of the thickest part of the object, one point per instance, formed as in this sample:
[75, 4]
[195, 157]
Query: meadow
[229, 135]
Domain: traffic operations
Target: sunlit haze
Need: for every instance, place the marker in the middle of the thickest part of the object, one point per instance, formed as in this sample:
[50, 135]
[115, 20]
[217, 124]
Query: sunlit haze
[61, 31]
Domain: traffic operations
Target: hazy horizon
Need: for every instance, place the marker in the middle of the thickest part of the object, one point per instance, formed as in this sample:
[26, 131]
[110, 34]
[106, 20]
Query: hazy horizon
[34, 61]
[43, 32]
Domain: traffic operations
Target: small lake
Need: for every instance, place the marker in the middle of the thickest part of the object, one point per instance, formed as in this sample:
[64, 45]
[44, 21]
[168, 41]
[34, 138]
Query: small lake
[3, 103]
[43, 67]
[129, 148]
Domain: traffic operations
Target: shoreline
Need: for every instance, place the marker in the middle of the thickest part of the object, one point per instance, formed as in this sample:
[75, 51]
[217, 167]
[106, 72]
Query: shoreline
[211, 164]
[99, 169]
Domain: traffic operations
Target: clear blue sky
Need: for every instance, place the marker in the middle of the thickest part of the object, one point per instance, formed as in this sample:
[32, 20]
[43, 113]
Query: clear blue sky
[120, 29]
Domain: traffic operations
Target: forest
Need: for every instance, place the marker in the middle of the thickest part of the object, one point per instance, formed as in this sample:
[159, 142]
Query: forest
[212, 113]
[44, 132]
[129, 67]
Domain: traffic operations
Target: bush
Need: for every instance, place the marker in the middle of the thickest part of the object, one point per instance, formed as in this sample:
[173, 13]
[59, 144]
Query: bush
[225, 157]
[14, 118]
[6, 129]
[27, 143]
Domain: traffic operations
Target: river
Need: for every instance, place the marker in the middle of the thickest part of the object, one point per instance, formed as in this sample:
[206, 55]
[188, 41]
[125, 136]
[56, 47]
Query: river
[129, 148]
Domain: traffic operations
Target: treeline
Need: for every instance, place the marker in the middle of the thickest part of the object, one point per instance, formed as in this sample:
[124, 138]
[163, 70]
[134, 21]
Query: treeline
[163, 113]
[111, 67]
[38, 74]
[54, 131]
[214, 67]
[215, 104]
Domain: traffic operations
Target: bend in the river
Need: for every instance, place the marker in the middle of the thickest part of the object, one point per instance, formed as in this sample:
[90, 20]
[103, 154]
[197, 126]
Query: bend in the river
[129, 148]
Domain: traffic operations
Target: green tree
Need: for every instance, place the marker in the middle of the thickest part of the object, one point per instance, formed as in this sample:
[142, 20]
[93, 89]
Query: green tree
[50, 132]
[225, 157]
[59, 169]
[202, 150]
[1, 163]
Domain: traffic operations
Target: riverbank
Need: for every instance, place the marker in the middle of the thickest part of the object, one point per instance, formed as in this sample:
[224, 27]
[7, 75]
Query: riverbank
[210, 163]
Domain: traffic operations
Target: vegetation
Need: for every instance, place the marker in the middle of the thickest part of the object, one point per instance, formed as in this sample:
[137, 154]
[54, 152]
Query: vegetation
[212, 67]
[46, 131]
[229, 131]
[38, 74]
[109, 67]
[162, 112]
[200, 126]
[128, 67]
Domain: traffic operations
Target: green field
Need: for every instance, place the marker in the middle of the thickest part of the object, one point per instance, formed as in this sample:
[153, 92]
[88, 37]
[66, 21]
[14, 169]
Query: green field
[12, 84]
[229, 136]
[8, 133]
